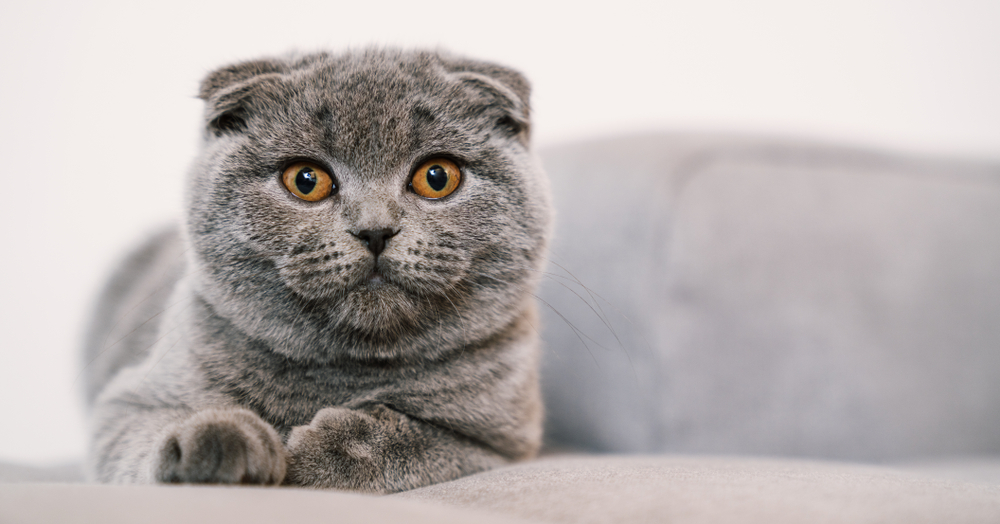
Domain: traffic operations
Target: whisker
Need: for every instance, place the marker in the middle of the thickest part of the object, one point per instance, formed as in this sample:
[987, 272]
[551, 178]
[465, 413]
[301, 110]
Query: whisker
[603, 318]
[610, 328]
[594, 296]
[576, 331]
[537, 332]
[592, 293]
[573, 278]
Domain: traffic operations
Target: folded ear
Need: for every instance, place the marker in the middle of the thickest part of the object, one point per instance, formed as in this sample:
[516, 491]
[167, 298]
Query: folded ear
[225, 91]
[505, 84]
[231, 75]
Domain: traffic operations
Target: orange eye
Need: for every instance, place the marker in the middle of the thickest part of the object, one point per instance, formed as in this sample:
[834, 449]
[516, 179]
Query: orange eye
[308, 182]
[436, 178]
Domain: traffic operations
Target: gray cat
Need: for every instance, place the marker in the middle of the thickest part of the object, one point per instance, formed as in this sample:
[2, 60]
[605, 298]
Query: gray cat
[349, 302]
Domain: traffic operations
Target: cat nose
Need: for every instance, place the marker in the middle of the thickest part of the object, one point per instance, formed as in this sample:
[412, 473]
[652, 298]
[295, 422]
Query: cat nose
[375, 239]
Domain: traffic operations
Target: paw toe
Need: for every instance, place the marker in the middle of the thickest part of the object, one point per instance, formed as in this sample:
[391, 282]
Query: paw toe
[221, 447]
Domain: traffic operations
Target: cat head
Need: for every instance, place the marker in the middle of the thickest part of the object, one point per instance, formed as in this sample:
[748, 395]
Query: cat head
[376, 204]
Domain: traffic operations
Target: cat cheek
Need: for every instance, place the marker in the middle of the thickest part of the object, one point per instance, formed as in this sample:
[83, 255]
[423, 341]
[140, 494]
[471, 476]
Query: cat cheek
[320, 276]
[321, 267]
[429, 264]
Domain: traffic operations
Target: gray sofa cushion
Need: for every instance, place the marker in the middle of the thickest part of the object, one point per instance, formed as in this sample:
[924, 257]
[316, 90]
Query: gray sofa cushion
[783, 299]
[594, 489]
[110, 504]
[613, 489]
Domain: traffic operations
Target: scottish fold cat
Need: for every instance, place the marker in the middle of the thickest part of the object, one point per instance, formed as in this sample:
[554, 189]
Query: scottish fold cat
[348, 301]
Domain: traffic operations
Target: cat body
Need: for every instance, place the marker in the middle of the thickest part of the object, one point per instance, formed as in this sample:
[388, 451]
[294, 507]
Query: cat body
[375, 333]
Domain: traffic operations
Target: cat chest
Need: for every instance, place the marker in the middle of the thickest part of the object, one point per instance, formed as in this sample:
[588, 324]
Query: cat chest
[288, 395]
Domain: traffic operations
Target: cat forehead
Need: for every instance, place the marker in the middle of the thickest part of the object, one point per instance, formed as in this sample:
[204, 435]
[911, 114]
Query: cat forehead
[377, 95]
[375, 110]
[354, 105]
[365, 86]
[376, 85]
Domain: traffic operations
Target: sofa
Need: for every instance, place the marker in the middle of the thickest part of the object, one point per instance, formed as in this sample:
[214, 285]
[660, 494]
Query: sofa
[737, 329]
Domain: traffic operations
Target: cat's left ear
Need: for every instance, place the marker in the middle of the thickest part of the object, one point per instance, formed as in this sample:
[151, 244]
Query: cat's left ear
[226, 91]
[506, 85]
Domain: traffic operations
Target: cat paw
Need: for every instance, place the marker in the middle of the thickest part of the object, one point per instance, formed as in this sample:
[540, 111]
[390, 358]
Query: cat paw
[340, 449]
[221, 446]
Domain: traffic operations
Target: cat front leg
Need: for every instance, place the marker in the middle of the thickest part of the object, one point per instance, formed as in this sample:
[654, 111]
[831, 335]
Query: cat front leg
[379, 450]
[220, 446]
[139, 443]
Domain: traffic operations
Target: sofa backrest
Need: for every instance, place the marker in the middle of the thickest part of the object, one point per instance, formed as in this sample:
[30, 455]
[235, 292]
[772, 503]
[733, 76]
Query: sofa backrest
[754, 296]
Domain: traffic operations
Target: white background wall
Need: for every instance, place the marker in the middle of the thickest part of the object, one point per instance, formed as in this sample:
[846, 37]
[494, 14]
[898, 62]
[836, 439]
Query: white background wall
[98, 119]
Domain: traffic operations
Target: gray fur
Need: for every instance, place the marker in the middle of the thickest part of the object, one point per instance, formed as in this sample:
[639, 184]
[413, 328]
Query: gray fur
[251, 346]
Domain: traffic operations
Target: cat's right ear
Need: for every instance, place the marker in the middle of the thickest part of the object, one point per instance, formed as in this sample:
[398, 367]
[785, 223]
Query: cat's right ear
[227, 89]
[508, 88]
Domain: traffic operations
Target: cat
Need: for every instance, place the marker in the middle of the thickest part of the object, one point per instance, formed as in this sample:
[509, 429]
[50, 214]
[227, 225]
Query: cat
[348, 302]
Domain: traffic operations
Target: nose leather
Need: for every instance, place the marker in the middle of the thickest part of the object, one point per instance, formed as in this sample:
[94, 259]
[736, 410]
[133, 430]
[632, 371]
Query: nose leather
[375, 239]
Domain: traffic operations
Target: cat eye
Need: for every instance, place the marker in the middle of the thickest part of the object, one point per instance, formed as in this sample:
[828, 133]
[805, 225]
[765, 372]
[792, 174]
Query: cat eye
[308, 182]
[436, 178]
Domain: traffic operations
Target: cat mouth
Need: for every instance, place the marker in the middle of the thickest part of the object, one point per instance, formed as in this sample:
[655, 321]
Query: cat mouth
[375, 278]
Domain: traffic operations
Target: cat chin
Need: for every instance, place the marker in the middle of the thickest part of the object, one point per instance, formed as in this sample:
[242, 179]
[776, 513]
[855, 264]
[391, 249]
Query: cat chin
[381, 309]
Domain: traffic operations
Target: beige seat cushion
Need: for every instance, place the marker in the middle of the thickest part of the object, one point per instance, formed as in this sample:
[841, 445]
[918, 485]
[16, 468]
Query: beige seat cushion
[682, 489]
[598, 489]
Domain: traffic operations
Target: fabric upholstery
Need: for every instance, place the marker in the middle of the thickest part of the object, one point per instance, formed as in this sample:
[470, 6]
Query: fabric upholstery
[108, 504]
[560, 489]
[772, 298]
[612, 489]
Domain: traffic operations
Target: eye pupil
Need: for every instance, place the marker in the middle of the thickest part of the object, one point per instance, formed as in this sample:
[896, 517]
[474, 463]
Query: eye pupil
[305, 180]
[437, 177]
